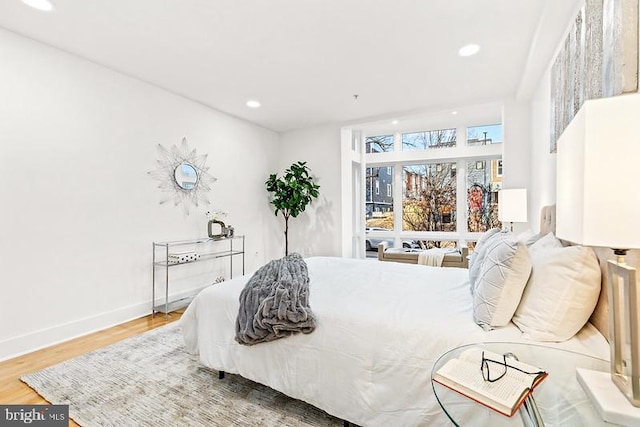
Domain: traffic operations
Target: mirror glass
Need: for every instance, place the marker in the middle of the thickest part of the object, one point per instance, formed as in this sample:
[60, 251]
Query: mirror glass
[186, 176]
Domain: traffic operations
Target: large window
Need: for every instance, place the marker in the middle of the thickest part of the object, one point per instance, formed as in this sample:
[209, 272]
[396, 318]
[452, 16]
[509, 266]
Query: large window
[428, 139]
[429, 197]
[483, 185]
[441, 202]
[379, 204]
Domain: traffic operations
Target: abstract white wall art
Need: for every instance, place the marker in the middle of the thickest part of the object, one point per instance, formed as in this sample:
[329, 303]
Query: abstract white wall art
[599, 58]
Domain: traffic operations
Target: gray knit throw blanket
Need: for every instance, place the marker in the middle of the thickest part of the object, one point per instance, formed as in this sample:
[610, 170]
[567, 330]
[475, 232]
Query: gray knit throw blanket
[275, 302]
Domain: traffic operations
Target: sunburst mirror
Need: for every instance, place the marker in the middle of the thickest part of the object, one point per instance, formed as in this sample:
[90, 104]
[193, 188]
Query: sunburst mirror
[183, 176]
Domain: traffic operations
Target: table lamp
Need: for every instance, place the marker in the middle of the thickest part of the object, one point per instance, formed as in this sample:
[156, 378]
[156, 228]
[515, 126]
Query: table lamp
[512, 206]
[597, 205]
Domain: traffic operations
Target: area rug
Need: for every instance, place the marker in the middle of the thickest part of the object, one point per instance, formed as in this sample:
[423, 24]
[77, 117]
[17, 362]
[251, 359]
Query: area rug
[150, 380]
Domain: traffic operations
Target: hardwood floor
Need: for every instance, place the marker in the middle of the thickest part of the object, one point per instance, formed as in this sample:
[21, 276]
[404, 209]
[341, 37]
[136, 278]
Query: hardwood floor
[14, 391]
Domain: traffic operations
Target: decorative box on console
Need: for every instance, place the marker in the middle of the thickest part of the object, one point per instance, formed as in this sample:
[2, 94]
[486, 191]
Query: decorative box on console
[182, 257]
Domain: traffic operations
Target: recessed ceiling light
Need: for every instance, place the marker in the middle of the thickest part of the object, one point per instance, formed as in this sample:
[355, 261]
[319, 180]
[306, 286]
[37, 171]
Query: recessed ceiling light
[454, 112]
[44, 5]
[468, 50]
[394, 122]
[252, 103]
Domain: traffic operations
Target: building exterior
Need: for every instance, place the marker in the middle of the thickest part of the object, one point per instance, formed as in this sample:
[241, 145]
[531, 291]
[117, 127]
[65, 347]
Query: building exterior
[379, 192]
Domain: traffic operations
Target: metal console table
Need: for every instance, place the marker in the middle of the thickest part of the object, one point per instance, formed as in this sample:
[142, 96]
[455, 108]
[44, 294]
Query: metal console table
[165, 256]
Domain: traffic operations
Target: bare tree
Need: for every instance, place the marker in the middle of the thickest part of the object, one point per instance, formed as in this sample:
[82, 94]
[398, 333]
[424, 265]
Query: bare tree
[478, 202]
[431, 205]
[381, 143]
[430, 139]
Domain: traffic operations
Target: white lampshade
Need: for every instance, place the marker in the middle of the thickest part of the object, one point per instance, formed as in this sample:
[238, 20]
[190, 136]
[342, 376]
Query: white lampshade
[598, 191]
[598, 205]
[512, 205]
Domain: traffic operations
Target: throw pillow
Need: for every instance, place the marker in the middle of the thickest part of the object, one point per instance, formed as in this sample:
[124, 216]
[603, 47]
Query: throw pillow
[525, 235]
[545, 242]
[562, 293]
[479, 254]
[501, 282]
[529, 240]
[486, 236]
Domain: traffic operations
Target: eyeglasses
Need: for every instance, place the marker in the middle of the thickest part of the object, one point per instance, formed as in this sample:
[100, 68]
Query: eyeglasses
[499, 369]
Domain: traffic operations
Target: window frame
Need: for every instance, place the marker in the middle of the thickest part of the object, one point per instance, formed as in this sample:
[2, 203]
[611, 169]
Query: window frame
[459, 155]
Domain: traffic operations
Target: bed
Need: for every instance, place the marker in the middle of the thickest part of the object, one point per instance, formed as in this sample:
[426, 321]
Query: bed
[380, 328]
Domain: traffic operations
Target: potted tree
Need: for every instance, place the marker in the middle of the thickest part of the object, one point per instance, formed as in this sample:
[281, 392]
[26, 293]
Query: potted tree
[291, 193]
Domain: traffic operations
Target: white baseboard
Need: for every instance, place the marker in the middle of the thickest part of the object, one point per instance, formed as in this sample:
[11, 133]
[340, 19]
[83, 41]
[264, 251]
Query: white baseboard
[27, 343]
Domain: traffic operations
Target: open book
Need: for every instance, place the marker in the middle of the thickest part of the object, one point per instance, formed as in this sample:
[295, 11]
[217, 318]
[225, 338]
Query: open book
[511, 386]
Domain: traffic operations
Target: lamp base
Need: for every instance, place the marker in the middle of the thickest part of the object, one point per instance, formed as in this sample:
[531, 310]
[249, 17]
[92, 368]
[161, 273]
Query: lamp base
[611, 404]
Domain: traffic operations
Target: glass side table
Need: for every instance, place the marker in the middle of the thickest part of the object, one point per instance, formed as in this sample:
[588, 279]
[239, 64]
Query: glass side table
[559, 399]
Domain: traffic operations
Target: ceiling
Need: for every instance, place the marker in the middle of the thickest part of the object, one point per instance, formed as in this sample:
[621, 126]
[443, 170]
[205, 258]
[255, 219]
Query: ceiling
[304, 60]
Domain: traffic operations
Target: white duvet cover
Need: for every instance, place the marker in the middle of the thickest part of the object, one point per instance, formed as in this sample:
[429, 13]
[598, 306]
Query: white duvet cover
[381, 326]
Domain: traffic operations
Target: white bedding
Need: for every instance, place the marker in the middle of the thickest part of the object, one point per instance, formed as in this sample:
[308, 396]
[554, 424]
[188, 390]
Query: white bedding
[380, 328]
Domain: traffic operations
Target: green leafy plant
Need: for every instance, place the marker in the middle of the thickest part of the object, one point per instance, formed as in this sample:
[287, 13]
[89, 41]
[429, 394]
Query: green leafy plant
[291, 194]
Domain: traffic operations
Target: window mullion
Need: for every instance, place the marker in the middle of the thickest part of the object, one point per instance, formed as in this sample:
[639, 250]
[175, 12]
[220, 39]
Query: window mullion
[397, 191]
[461, 200]
[398, 195]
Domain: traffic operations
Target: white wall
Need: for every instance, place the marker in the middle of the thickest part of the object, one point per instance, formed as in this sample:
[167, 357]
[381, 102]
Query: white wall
[515, 150]
[317, 231]
[79, 211]
[542, 189]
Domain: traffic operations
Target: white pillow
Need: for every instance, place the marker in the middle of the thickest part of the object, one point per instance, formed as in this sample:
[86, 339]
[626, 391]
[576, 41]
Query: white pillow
[486, 236]
[545, 242]
[501, 282]
[525, 235]
[561, 294]
[479, 253]
[529, 239]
